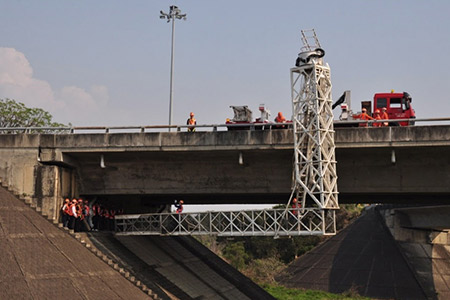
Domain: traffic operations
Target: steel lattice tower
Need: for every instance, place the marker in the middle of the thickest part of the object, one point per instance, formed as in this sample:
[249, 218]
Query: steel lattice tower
[315, 178]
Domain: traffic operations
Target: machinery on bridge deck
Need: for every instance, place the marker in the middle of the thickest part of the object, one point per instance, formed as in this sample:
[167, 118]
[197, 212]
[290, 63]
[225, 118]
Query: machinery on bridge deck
[315, 179]
[242, 119]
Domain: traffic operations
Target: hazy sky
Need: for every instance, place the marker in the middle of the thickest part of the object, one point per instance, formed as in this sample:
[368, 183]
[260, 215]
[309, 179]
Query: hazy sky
[107, 62]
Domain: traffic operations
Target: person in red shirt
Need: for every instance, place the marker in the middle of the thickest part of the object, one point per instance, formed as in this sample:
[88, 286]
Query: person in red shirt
[179, 206]
[295, 206]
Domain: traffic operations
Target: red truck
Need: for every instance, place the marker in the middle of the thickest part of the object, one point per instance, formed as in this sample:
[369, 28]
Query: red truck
[398, 106]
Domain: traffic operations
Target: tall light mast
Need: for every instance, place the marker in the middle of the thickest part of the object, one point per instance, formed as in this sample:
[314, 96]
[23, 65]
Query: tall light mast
[174, 13]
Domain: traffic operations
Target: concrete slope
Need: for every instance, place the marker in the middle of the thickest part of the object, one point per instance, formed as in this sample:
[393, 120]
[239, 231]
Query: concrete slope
[363, 258]
[179, 266]
[40, 261]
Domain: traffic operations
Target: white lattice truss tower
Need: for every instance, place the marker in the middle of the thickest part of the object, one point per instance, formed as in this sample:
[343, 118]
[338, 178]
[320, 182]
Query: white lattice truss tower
[315, 178]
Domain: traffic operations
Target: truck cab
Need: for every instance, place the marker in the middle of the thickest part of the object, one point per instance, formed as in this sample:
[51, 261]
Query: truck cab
[398, 106]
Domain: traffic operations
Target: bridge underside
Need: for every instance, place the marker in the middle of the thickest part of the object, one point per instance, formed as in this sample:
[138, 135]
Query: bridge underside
[369, 175]
[143, 179]
[345, 198]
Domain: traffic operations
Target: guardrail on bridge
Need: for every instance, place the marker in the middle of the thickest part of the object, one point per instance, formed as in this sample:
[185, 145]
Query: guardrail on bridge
[202, 127]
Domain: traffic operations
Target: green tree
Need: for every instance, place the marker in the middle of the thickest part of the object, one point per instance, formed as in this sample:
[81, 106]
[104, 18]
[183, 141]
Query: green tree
[236, 255]
[263, 270]
[16, 114]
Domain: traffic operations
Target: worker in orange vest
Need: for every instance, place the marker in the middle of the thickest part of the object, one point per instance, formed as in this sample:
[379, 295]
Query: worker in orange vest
[377, 117]
[72, 214]
[65, 212]
[295, 206]
[280, 119]
[80, 216]
[191, 121]
[363, 116]
[384, 116]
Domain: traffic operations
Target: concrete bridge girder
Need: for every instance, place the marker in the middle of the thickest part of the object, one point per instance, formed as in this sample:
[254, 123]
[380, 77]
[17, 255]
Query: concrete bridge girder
[196, 176]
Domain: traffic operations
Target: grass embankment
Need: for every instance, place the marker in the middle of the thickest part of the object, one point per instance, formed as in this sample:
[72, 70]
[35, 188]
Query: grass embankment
[282, 293]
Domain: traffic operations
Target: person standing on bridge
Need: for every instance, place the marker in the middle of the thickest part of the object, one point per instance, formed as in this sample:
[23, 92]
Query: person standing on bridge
[377, 117]
[179, 206]
[73, 214]
[280, 119]
[191, 121]
[295, 206]
[363, 116]
[384, 116]
[65, 212]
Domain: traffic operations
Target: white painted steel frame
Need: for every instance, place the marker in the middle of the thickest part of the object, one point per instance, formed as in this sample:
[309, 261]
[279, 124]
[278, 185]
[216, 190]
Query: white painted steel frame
[268, 222]
[315, 177]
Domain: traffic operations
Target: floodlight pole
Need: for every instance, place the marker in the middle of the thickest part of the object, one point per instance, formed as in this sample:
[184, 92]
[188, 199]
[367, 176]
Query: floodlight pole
[174, 13]
[171, 74]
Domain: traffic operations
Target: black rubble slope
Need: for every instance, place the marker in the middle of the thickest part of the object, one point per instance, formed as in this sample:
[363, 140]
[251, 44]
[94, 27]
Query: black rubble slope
[362, 258]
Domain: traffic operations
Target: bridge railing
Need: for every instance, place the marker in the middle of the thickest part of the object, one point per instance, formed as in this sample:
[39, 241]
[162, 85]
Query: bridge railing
[267, 222]
[179, 128]
[146, 128]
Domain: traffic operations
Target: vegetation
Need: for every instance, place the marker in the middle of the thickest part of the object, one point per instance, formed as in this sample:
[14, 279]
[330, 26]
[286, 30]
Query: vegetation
[237, 256]
[16, 114]
[246, 253]
[283, 293]
[262, 258]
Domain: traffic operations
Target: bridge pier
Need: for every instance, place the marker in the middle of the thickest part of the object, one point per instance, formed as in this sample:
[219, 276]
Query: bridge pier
[44, 186]
[425, 244]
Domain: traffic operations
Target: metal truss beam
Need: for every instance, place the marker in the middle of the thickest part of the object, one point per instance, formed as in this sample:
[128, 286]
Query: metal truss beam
[269, 222]
[315, 177]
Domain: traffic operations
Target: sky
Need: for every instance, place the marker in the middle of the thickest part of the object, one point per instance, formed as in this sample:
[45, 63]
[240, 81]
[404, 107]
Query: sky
[107, 62]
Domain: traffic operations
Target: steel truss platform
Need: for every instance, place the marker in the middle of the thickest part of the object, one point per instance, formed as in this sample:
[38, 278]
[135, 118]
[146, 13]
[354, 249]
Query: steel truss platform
[268, 222]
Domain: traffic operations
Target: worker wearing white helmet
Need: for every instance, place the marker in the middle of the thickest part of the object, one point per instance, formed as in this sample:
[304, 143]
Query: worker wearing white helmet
[191, 121]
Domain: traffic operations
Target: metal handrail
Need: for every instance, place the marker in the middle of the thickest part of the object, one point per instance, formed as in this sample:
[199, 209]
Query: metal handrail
[142, 129]
[446, 119]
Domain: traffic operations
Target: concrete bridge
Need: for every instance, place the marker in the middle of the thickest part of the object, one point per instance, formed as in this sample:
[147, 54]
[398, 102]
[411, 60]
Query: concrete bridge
[391, 164]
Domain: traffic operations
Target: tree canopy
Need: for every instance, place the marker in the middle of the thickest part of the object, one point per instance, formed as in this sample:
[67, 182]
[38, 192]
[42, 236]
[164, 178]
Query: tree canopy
[16, 114]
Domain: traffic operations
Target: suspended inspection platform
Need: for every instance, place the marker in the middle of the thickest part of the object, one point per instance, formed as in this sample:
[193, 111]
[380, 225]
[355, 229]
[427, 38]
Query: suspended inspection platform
[268, 222]
[314, 184]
